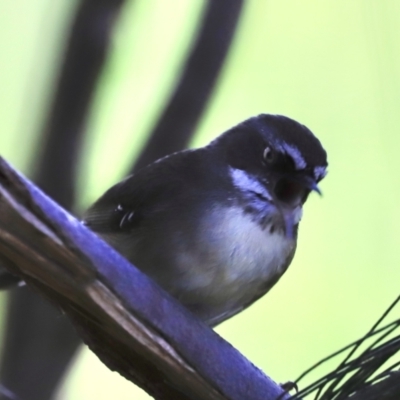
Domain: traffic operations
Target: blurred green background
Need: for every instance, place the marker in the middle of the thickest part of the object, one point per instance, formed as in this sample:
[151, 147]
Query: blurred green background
[333, 65]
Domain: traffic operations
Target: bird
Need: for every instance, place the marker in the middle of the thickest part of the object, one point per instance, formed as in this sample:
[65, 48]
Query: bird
[216, 226]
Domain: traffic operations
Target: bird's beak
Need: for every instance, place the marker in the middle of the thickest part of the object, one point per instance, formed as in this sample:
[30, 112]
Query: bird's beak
[292, 191]
[309, 183]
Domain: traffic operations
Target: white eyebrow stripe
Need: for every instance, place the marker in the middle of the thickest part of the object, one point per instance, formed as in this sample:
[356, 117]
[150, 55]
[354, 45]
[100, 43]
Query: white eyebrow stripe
[296, 156]
[246, 183]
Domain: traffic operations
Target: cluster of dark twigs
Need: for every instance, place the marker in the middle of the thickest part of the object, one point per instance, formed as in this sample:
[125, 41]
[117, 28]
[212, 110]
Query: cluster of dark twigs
[365, 363]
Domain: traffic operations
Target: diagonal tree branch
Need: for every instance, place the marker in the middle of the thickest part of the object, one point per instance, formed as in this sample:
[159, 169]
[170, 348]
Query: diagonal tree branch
[132, 325]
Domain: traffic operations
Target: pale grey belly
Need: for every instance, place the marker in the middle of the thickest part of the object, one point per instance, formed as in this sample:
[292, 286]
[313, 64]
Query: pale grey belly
[239, 261]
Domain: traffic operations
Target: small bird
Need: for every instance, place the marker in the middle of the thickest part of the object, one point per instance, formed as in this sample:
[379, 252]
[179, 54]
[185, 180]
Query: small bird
[216, 227]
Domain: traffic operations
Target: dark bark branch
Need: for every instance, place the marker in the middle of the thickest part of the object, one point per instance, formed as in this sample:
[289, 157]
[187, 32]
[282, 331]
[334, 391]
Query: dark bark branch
[131, 324]
[179, 119]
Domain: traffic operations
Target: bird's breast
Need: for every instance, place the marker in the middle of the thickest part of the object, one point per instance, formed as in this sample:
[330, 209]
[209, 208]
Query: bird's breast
[246, 249]
[237, 259]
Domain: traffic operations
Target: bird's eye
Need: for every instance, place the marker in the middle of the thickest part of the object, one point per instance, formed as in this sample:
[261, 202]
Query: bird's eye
[269, 155]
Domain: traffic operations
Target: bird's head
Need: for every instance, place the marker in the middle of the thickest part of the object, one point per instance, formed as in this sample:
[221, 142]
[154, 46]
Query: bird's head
[276, 158]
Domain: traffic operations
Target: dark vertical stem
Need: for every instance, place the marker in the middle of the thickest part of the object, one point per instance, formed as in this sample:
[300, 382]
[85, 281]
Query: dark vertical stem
[83, 62]
[201, 71]
[39, 342]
